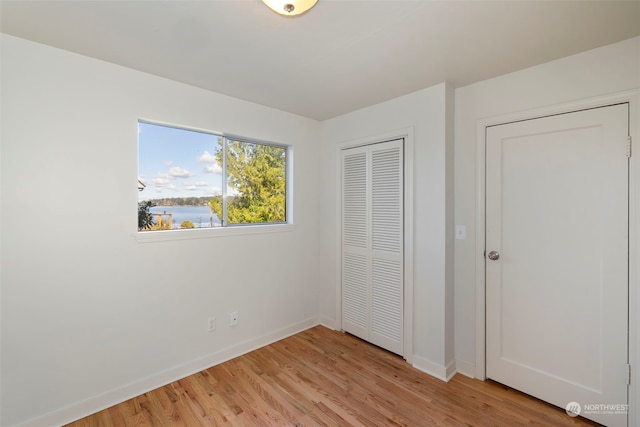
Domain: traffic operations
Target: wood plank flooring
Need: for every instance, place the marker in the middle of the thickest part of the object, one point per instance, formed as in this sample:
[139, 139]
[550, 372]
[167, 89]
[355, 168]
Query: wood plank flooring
[321, 377]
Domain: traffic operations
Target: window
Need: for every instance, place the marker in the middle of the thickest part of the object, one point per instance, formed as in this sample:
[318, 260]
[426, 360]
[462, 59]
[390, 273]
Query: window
[190, 179]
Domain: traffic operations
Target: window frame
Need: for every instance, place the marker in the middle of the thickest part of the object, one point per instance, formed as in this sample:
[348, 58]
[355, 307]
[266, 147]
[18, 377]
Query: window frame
[225, 229]
[287, 152]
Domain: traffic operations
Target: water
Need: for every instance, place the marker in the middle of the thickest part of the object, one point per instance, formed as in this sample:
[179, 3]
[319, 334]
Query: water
[200, 216]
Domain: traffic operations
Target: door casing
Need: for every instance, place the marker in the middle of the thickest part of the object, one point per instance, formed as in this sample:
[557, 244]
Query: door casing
[407, 134]
[634, 226]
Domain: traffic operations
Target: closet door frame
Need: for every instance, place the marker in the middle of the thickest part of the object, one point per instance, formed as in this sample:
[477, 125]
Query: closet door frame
[407, 135]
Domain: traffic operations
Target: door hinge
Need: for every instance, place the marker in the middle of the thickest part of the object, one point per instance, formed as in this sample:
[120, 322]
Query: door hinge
[628, 146]
[628, 374]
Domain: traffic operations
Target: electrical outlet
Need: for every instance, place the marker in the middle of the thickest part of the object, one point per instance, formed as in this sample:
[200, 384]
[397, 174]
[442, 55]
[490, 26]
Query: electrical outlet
[233, 319]
[211, 326]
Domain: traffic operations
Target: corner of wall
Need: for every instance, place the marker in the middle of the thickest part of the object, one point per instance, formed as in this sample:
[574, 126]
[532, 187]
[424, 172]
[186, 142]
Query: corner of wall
[466, 368]
[449, 118]
[441, 372]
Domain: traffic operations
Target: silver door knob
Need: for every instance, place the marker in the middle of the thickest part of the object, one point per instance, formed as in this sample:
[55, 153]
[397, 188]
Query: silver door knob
[493, 255]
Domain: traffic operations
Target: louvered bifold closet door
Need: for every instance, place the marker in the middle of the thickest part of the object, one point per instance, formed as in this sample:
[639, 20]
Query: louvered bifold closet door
[356, 262]
[387, 290]
[372, 243]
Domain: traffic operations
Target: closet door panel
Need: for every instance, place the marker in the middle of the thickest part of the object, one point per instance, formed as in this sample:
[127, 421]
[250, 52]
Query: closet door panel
[387, 284]
[355, 243]
[372, 243]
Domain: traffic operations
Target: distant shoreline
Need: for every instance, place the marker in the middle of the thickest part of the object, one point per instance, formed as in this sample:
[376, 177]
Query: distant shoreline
[181, 207]
[192, 202]
[199, 215]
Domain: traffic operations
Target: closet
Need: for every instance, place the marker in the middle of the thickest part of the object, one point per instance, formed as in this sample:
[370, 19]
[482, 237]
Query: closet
[372, 221]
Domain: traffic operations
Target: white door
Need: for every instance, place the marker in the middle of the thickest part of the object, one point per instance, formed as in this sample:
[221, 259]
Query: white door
[372, 243]
[556, 296]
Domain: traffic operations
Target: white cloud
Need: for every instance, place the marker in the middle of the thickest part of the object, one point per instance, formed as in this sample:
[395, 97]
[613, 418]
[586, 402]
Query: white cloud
[189, 187]
[207, 157]
[213, 168]
[211, 163]
[169, 163]
[214, 191]
[161, 181]
[178, 172]
[201, 183]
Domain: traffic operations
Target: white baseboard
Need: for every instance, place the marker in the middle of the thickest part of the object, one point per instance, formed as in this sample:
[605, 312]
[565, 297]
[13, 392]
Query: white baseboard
[465, 368]
[444, 373]
[113, 397]
[328, 323]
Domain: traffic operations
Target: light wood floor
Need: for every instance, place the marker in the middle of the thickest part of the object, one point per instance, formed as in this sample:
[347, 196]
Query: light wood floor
[323, 377]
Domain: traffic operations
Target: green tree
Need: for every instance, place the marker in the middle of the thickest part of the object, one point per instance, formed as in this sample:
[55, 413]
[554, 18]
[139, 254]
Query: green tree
[186, 224]
[257, 173]
[145, 218]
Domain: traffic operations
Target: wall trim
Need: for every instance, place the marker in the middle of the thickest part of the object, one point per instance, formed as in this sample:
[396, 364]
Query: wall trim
[327, 323]
[407, 134]
[630, 96]
[98, 403]
[444, 373]
[467, 369]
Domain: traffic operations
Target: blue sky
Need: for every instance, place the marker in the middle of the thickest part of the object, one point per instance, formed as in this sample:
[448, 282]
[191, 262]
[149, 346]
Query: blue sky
[177, 163]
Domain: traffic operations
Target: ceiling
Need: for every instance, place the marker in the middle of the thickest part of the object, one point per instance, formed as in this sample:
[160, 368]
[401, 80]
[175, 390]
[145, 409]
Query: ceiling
[341, 56]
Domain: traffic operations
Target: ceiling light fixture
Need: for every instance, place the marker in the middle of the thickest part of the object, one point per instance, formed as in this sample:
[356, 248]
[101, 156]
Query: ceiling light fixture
[290, 7]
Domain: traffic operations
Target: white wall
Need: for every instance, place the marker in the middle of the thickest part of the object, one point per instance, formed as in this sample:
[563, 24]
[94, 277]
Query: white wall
[424, 111]
[595, 73]
[91, 316]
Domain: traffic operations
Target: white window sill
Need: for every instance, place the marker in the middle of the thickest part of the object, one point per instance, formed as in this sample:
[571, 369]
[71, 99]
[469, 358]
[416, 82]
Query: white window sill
[209, 233]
